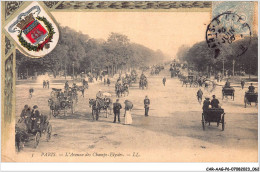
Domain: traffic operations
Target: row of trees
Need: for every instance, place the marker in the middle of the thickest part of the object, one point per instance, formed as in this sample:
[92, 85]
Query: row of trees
[77, 52]
[202, 58]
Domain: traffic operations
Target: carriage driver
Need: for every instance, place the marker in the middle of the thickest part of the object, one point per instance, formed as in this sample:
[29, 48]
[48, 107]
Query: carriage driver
[34, 117]
[251, 88]
[38, 118]
[214, 102]
[99, 97]
[25, 115]
[227, 84]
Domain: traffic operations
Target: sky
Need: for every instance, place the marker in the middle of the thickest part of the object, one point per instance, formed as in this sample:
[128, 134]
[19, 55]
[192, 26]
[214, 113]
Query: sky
[166, 31]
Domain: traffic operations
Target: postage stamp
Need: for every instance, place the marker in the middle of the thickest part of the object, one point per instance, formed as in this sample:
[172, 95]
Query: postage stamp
[129, 81]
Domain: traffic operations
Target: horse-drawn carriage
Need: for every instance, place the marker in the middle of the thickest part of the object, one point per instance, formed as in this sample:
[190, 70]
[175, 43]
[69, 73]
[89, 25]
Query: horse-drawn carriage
[133, 76]
[99, 104]
[143, 82]
[250, 97]
[190, 79]
[228, 91]
[213, 115]
[62, 101]
[31, 132]
[121, 89]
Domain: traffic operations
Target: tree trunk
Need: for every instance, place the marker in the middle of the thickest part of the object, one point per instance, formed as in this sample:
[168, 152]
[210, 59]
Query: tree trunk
[113, 70]
[54, 73]
[65, 72]
[233, 67]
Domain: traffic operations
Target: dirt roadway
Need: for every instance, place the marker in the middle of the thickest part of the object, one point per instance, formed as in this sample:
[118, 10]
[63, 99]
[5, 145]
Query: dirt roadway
[173, 131]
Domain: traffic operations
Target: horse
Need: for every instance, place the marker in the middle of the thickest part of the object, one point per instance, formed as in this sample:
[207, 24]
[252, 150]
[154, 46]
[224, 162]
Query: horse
[186, 81]
[143, 83]
[81, 89]
[118, 89]
[20, 138]
[125, 90]
[157, 71]
[97, 105]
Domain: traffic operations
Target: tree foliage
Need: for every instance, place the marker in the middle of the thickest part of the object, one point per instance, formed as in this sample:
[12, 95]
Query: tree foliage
[89, 54]
[202, 57]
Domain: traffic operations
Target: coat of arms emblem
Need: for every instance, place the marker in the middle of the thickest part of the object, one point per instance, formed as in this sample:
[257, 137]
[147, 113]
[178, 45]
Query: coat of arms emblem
[34, 31]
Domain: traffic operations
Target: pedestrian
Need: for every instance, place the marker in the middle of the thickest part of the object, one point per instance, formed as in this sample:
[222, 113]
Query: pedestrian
[31, 90]
[116, 108]
[43, 84]
[199, 95]
[128, 107]
[108, 81]
[242, 84]
[146, 105]
[82, 91]
[164, 81]
[48, 84]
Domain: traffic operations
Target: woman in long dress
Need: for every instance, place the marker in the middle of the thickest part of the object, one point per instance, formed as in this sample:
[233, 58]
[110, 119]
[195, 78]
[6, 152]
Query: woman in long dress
[128, 107]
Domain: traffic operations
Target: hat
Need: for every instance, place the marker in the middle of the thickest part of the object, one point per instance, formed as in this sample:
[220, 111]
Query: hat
[213, 96]
[117, 100]
[35, 106]
[26, 106]
[206, 98]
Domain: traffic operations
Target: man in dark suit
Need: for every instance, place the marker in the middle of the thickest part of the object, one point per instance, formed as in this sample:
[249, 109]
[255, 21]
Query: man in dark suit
[146, 105]
[35, 118]
[251, 88]
[116, 108]
[214, 102]
[242, 84]
[164, 81]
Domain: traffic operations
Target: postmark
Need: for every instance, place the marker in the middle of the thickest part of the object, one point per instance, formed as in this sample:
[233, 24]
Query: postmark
[229, 33]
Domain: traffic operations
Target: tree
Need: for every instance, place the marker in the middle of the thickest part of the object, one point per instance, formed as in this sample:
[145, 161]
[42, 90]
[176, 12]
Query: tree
[203, 57]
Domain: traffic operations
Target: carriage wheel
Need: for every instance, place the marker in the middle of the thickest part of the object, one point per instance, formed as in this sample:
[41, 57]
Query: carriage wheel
[37, 139]
[195, 84]
[203, 122]
[223, 122]
[49, 130]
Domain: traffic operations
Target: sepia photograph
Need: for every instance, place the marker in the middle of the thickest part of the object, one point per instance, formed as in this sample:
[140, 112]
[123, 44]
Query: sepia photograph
[129, 81]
